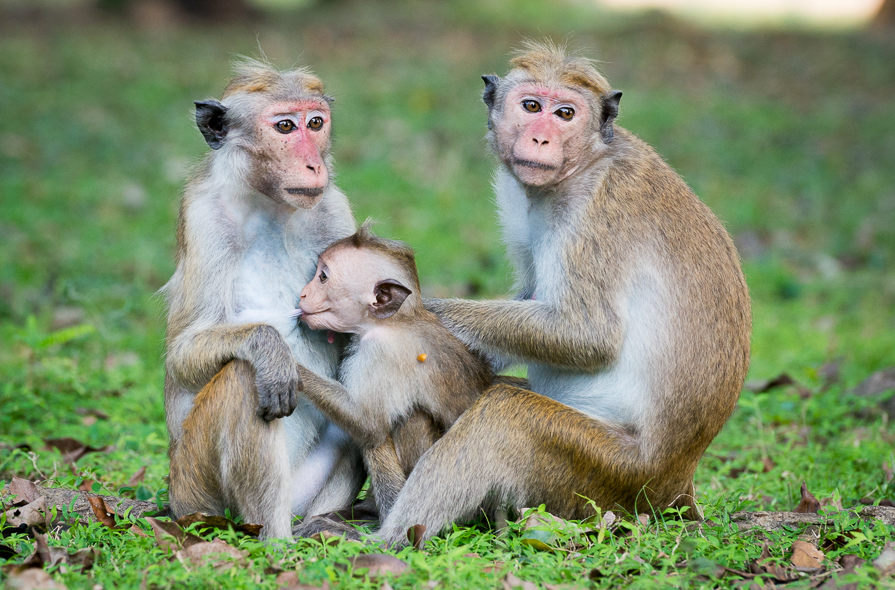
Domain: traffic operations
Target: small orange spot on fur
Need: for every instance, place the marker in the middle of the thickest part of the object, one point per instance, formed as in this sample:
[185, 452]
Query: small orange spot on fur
[421, 358]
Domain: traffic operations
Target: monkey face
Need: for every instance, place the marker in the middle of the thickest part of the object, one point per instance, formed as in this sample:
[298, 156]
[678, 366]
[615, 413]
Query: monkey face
[294, 139]
[542, 131]
[348, 292]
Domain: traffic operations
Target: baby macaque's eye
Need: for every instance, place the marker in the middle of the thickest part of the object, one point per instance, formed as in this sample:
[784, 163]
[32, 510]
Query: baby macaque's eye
[323, 276]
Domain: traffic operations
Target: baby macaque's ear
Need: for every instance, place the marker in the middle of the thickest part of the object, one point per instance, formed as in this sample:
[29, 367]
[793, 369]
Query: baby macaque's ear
[390, 295]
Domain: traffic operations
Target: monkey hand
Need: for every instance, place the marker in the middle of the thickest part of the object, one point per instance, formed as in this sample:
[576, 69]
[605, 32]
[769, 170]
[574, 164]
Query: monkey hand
[276, 376]
[278, 388]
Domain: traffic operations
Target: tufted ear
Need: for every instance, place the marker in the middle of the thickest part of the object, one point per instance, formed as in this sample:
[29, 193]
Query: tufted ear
[390, 295]
[211, 122]
[610, 112]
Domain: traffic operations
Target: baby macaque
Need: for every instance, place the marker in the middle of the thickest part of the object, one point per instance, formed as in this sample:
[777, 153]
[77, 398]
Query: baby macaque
[405, 378]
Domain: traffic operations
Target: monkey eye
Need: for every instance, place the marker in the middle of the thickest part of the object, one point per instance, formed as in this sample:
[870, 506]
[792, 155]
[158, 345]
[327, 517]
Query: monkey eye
[315, 123]
[285, 126]
[565, 113]
[532, 106]
[323, 276]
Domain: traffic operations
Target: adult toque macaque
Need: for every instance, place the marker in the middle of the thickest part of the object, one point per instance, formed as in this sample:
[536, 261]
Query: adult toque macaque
[253, 220]
[634, 317]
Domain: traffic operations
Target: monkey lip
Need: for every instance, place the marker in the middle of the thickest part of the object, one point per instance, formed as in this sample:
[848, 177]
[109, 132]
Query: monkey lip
[306, 192]
[533, 165]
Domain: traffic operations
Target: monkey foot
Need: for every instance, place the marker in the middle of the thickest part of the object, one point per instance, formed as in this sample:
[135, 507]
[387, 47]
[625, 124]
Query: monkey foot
[326, 523]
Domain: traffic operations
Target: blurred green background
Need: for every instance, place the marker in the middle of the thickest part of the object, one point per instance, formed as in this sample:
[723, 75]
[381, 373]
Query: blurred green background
[786, 128]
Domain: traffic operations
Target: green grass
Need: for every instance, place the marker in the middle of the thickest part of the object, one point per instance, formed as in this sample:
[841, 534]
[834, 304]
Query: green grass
[787, 135]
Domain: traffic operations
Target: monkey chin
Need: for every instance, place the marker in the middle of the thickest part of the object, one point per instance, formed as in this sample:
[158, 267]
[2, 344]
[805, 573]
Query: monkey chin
[534, 174]
[303, 198]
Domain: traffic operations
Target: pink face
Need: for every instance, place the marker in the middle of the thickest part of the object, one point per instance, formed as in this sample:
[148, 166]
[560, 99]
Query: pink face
[541, 128]
[297, 134]
[351, 291]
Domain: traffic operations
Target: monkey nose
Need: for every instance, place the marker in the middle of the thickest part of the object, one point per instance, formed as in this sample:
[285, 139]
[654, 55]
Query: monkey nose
[540, 142]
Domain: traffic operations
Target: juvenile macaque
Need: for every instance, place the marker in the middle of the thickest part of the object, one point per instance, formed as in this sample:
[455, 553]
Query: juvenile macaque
[634, 318]
[405, 378]
[253, 219]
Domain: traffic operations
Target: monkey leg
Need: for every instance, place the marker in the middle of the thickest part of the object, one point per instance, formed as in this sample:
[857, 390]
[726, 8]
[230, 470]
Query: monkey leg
[516, 448]
[228, 457]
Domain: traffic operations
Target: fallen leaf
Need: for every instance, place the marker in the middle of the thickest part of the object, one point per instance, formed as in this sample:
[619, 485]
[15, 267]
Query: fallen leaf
[33, 579]
[222, 523]
[848, 563]
[45, 556]
[96, 413]
[86, 485]
[495, 566]
[510, 581]
[806, 555]
[415, 535]
[377, 564]
[885, 563]
[877, 383]
[32, 514]
[217, 553]
[289, 581]
[72, 449]
[768, 464]
[138, 531]
[782, 380]
[808, 504]
[137, 477]
[765, 565]
[832, 501]
[169, 535]
[25, 491]
[103, 513]
[643, 519]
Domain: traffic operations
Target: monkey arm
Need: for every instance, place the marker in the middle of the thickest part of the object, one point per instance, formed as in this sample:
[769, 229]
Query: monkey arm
[370, 429]
[533, 331]
[194, 357]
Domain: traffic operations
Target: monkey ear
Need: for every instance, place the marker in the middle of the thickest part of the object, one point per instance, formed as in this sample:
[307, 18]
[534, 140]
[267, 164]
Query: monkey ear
[211, 122]
[610, 112]
[490, 94]
[390, 295]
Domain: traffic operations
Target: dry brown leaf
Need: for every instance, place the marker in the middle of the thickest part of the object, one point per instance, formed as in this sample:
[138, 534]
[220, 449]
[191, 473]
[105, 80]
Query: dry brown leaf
[289, 581]
[808, 504]
[72, 449]
[25, 491]
[643, 519]
[211, 521]
[832, 501]
[764, 565]
[885, 563]
[806, 555]
[34, 513]
[767, 464]
[495, 566]
[137, 477]
[415, 535]
[46, 556]
[217, 553]
[829, 373]
[877, 383]
[377, 564]
[103, 513]
[782, 380]
[510, 581]
[96, 413]
[33, 578]
[169, 535]
[138, 531]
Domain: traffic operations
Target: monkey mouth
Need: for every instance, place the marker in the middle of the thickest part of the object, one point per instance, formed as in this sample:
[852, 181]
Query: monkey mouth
[533, 165]
[305, 192]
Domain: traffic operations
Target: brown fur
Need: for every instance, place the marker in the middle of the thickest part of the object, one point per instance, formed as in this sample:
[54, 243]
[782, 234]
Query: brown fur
[240, 432]
[371, 403]
[634, 282]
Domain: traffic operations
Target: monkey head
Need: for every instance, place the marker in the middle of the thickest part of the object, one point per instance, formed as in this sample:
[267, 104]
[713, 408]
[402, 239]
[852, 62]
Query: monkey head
[548, 117]
[360, 282]
[276, 126]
